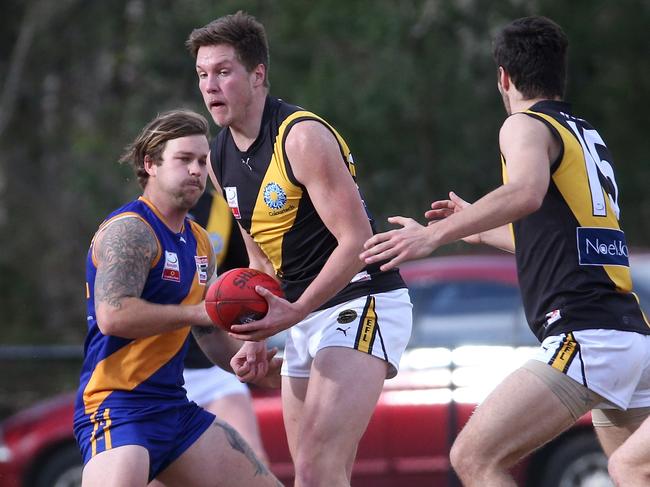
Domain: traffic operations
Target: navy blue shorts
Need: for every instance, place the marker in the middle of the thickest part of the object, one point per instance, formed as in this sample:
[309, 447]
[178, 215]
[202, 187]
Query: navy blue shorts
[166, 434]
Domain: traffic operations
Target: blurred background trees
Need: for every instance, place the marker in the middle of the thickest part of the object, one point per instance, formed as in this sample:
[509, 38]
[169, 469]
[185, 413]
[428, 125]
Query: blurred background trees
[410, 84]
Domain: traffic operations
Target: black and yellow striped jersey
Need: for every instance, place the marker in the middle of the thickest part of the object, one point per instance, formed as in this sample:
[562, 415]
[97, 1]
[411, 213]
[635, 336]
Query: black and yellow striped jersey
[572, 257]
[276, 210]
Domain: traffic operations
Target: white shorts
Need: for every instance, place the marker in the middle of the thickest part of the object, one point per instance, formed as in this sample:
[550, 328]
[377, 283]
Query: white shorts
[612, 363]
[379, 325]
[206, 385]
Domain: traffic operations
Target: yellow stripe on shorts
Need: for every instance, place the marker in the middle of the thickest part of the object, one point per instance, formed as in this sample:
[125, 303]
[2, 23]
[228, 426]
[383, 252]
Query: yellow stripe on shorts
[565, 354]
[368, 327]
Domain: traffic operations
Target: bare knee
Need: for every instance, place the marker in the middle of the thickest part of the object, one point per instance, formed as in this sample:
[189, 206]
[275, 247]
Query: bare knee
[466, 458]
[312, 472]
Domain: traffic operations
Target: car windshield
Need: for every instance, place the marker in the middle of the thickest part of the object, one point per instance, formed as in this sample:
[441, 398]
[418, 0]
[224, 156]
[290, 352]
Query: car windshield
[469, 312]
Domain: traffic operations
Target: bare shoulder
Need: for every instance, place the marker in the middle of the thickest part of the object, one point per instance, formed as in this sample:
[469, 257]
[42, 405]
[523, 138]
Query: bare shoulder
[125, 250]
[311, 148]
[520, 125]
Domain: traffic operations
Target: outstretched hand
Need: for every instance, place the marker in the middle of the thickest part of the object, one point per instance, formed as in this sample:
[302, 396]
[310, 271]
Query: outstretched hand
[442, 209]
[412, 241]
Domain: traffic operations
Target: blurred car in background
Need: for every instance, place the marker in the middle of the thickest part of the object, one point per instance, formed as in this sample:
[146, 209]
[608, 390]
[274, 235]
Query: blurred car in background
[469, 332]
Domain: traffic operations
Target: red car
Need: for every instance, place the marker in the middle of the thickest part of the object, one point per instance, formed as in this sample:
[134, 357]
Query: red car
[469, 331]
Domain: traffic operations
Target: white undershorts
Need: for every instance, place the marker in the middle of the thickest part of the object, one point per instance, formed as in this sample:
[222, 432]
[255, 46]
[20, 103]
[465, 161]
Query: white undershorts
[612, 363]
[206, 385]
[378, 324]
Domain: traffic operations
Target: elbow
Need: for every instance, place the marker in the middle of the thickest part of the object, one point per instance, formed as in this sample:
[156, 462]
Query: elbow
[108, 321]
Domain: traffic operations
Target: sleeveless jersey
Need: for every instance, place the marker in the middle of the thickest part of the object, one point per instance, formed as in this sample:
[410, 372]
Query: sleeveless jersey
[571, 253]
[144, 373]
[276, 210]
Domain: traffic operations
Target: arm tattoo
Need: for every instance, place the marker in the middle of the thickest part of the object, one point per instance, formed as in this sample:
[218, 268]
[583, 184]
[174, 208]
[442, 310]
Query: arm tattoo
[238, 443]
[125, 250]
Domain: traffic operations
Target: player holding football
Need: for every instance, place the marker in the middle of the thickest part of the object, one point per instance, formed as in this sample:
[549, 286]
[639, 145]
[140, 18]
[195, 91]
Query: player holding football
[561, 202]
[147, 270]
[288, 177]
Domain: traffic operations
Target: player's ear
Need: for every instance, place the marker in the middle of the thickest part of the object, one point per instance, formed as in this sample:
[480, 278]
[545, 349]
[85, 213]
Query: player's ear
[259, 74]
[503, 79]
[149, 165]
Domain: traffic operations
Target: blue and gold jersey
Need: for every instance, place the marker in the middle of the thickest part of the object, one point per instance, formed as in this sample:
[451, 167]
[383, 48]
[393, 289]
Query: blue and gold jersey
[571, 253]
[146, 372]
[276, 210]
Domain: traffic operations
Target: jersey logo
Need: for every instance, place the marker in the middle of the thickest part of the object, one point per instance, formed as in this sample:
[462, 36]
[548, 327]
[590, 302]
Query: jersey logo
[274, 196]
[171, 270]
[202, 268]
[233, 203]
[602, 246]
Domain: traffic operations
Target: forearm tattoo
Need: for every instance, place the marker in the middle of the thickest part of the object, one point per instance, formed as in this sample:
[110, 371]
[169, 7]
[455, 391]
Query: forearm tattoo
[125, 251]
[238, 443]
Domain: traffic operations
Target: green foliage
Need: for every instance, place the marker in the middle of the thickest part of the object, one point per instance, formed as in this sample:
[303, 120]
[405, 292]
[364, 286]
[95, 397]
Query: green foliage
[411, 85]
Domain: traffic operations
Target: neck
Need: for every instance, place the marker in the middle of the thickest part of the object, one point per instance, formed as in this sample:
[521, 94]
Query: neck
[246, 131]
[171, 215]
[521, 105]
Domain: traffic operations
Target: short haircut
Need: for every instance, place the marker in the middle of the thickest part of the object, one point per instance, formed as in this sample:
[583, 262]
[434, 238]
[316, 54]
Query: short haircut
[154, 136]
[533, 51]
[241, 31]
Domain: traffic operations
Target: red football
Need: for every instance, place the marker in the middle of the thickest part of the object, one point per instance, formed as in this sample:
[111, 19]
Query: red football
[232, 298]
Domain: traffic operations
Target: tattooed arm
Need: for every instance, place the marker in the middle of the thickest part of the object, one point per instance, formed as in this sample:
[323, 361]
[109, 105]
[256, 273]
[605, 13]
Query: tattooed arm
[124, 251]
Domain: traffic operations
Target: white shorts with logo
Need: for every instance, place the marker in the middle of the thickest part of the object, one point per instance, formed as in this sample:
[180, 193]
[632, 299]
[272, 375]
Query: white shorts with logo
[378, 325]
[206, 385]
[612, 363]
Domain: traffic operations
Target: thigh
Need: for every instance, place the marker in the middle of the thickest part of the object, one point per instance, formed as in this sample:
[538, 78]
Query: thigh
[219, 458]
[294, 391]
[344, 386]
[520, 415]
[614, 426]
[237, 411]
[128, 465]
[637, 447]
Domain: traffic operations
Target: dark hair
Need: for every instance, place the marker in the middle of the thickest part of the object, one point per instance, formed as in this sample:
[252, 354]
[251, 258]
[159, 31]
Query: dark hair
[154, 136]
[533, 51]
[241, 31]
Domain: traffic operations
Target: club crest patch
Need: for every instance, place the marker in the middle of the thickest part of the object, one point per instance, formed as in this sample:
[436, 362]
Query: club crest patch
[274, 196]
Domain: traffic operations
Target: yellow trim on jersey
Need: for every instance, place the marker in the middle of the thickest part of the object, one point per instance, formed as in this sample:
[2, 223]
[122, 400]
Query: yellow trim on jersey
[565, 354]
[107, 429]
[368, 328]
[93, 436]
[134, 363]
[278, 199]
[121, 216]
[220, 223]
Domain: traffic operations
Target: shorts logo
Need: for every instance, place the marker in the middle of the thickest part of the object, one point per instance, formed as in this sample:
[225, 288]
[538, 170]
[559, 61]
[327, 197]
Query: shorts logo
[233, 203]
[202, 268]
[171, 269]
[347, 316]
[274, 196]
[602, 246]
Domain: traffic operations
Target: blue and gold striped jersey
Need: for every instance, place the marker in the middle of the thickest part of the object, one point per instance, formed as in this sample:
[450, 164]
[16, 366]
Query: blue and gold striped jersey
[276, 210]
[571, 253]
[144, 372]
